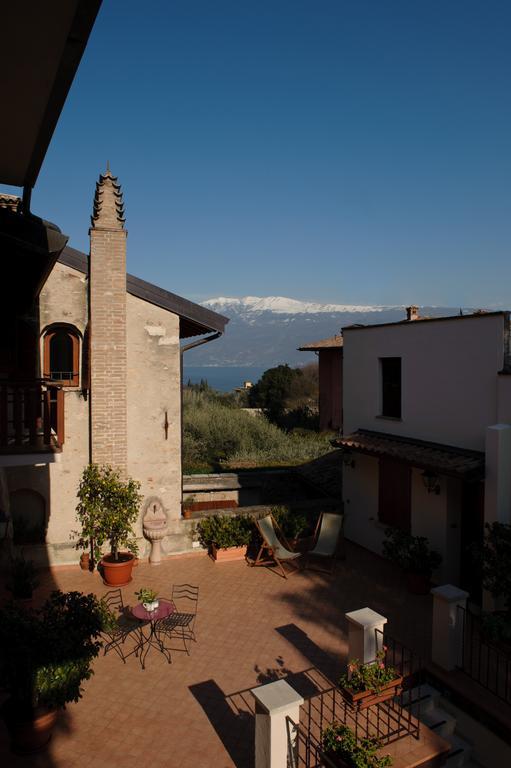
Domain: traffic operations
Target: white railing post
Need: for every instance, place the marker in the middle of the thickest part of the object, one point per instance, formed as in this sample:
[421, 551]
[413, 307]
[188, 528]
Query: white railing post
[447, 641]
[275, 703]
[363, 642]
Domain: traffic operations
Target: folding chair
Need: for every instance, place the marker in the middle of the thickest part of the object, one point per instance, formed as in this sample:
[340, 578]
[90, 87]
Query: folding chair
[181, 623]
[273, 547]
[122, 626]
[326, 536]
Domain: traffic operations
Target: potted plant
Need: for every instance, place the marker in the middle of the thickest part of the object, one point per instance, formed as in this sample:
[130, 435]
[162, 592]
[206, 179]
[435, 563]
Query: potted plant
[296, 525]
[47, 654]
[225, 537]
[107, 509]
[370, 683]
[187, 507]
[415, 556]
[22, 581]
[148, 598]
[340, 745]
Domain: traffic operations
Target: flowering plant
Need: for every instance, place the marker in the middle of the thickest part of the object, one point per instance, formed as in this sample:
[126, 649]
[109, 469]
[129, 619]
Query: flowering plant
[372, 676]
[146, 595]
[339, 740]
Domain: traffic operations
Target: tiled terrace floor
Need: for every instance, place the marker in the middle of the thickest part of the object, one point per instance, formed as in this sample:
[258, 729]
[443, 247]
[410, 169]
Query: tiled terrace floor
[252, 626]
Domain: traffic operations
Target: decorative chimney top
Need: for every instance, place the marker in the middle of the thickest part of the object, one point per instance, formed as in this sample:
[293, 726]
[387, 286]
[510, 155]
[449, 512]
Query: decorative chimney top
[108, 211]
[412, 313]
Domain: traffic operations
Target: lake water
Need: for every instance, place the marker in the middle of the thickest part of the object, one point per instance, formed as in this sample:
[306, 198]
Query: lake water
[224, 379]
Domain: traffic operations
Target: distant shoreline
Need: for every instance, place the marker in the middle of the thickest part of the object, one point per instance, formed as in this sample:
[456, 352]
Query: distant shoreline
[224, 378]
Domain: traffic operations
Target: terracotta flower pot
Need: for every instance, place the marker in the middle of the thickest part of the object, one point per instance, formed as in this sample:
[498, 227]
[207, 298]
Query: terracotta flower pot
[117, 573]
[29, 732]
[364, 699]
[85, 561]
[228, 554]
[187, 513]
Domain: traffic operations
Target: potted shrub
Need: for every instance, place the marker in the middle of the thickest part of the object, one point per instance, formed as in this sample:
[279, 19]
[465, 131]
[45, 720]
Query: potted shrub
[22, 580]
[414, 555]
[47, 654]
[225, 537]
[107, 509]
[297, 526]
[371, 683]
[341, 746]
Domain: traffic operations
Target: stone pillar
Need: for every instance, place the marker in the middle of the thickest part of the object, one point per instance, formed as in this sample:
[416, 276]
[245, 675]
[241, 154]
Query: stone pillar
[447, 644]
[107, 313]
[363, 642]
[275, 703]
[497, 483]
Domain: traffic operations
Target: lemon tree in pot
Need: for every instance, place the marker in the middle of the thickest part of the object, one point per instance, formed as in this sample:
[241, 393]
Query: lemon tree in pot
[108, 507]
[46, 655]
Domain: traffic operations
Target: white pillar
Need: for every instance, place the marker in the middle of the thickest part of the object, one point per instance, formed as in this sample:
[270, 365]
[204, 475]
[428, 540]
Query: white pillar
[447, 644]
[275, 702]
[363, 642]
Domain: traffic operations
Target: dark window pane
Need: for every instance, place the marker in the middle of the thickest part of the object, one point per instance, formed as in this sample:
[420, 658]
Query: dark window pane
[391, 386]
[61, 356]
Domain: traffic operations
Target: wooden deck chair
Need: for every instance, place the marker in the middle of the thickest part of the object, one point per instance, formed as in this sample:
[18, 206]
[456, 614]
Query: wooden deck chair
[327, 537]
[273, 546]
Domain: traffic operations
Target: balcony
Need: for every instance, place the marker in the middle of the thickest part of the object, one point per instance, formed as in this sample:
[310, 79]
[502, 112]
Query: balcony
[31, 422]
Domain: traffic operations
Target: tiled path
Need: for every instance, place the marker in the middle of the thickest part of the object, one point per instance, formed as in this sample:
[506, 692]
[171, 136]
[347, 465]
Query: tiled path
[252, 626]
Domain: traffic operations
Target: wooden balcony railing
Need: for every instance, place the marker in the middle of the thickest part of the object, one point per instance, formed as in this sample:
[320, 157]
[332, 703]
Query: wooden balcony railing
[31, 417]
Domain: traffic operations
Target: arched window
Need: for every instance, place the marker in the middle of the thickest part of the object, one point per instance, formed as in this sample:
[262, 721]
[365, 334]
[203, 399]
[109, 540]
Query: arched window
[62, 356]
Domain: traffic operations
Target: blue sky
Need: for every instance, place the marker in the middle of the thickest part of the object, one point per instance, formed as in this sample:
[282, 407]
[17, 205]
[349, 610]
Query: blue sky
[328, 150]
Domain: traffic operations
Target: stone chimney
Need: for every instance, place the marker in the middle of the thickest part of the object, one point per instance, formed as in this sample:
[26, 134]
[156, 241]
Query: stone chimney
[412, 313]
[107, 317]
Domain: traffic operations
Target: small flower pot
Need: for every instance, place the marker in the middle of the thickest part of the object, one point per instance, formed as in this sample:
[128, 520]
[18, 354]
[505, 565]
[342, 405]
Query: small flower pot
[85, 561]
[187, 513]
[152, 606]
[228, 554]
[364, 699]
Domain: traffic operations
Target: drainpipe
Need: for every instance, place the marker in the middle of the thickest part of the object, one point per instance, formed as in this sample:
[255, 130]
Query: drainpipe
[184, 349]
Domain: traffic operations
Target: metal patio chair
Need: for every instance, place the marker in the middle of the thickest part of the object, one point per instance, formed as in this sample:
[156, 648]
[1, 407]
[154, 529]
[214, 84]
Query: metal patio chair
[274, 546]
[181, 623]
[124, 625]
[328, 534]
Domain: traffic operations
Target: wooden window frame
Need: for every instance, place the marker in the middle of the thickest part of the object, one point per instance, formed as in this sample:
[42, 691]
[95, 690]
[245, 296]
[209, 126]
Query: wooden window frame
[75, 338]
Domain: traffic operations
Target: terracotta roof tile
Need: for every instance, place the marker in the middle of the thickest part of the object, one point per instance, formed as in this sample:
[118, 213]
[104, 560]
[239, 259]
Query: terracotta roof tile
[334, 342]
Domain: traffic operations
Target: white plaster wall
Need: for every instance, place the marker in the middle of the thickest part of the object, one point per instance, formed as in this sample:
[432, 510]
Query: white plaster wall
[449, 378]
[154, 387]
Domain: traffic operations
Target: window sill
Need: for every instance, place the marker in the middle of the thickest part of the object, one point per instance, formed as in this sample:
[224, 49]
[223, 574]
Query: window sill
[388, 418]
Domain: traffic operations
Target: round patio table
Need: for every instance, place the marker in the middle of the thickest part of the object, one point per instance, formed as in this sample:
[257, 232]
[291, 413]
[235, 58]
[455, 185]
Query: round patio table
[164, 610]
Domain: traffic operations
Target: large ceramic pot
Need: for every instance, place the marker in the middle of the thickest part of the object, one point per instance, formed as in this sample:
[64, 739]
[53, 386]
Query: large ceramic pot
[117, 573]
[29, 731]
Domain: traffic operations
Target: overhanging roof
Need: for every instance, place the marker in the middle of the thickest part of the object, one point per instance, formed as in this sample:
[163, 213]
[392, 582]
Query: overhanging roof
[194, 319]
[42, 44]
[435, 457]
[334, 342]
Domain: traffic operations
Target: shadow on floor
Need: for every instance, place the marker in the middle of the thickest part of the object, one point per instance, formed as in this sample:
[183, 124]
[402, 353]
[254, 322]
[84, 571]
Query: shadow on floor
[330, 666]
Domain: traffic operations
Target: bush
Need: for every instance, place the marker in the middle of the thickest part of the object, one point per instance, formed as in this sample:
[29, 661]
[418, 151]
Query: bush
[294, 524]
[339, 739]
[225, 531]
[496, 561]
[412, 553]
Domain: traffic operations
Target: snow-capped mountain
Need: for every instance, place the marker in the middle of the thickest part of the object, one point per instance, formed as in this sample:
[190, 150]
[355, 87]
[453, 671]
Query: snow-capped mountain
[266, 331]
[281, 305]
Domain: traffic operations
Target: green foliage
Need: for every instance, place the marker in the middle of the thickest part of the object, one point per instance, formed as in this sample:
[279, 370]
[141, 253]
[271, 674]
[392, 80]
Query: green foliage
[219, 435]
[47, 653]
[107, 509]
[411, 553]
[372, 676]
[496, 561]
[338, 739]
[273, 390]
[146, 595]
[22, 579]
[497, 626]
[225, 531]
[294, 524]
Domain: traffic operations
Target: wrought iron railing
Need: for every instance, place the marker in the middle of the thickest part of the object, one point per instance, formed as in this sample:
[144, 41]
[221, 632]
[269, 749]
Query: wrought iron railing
[31, 417]
[481, 659]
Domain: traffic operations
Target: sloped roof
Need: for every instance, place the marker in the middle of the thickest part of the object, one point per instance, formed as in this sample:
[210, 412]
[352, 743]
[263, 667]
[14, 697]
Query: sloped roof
[194, 319]
[435, 457]
[334, 342]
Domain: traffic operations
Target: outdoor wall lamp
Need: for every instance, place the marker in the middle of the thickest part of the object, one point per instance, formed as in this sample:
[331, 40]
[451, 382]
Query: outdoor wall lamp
[347, 459]
[431, 481]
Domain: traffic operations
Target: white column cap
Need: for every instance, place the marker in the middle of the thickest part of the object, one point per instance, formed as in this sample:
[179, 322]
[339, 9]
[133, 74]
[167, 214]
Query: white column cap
[276, 697]
[449, 593]
[366, 618]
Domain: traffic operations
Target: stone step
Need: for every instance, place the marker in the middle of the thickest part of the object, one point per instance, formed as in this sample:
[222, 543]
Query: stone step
[439, 721]
[423, 699]
[460, 754]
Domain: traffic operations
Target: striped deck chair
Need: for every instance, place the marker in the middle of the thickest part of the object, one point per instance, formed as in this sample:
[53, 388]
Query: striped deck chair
[272, 549]
[327, 537]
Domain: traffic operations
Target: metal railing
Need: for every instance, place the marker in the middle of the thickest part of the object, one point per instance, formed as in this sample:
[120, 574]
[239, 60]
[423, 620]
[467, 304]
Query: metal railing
[31, 417]
[481, 659]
